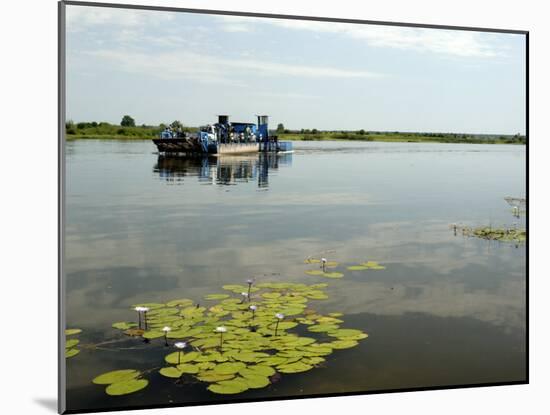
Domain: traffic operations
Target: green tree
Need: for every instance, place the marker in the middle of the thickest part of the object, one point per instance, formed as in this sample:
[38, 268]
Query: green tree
[176, 124]
[128, 121]
[280, 128]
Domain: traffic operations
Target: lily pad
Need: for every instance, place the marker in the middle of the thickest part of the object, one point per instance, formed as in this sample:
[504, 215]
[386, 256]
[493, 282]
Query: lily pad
[70, 332]
[343, 344]
[134, 332]
[256, 381]
[126, 387]
[124, 325]
[115, 376]
[228, 387]
[257, 370]
[170, 372]
[296, 367]
[71, 352]
[183, 357]
[153, 334]
[216, 296]
[345, 333]
[211, 376]
[318, 328]
[333, 275]
[314, 272]
[188, 368]
[228, 368]
[71, 343]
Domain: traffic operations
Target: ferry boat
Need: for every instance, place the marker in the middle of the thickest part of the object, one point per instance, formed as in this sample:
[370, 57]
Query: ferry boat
[223, 137]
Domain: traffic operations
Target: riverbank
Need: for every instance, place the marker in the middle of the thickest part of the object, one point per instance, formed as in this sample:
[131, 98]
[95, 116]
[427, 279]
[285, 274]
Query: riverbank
[104, 131]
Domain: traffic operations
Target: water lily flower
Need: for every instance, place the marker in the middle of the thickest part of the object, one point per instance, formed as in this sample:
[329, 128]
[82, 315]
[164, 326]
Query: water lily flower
[253, 308]
[180, 346]
[221, 330]
[279, 316]
[166, 329]
[323, 263]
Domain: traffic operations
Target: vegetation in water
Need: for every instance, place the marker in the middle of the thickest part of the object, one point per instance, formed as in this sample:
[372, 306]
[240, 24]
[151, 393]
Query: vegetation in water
[496, 234]
[70, 344]
[240, 342]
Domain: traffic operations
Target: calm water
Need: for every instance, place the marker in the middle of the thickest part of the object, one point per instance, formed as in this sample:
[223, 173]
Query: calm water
[447, 310]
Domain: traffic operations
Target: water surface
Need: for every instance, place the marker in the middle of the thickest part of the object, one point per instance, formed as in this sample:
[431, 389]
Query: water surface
[447, 310]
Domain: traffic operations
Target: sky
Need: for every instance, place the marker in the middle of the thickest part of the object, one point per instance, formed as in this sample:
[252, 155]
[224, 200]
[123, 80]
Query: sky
[162, 66]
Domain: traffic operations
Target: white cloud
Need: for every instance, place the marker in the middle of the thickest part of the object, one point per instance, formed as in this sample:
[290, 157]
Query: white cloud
[84, 17]
[448, 42]
[214, 69]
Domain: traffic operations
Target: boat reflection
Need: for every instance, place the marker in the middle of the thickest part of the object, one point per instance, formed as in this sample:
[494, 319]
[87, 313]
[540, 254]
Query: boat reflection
[221, 170]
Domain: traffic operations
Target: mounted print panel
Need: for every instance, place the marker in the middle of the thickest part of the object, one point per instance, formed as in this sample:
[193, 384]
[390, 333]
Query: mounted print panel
[266, 207]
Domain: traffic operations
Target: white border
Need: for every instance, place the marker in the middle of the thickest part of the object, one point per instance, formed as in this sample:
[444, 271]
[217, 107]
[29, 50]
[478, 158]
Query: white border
[29, 209]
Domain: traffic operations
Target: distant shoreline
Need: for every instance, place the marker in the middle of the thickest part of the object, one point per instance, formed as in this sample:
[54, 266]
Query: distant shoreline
[106, 131]
[283, 137]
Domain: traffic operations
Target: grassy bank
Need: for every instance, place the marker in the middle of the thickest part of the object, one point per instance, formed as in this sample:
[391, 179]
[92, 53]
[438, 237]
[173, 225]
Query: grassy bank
[402, 137]
[102, 130]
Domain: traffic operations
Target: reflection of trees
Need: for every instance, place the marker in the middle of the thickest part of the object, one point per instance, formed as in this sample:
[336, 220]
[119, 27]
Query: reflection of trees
[222, 170]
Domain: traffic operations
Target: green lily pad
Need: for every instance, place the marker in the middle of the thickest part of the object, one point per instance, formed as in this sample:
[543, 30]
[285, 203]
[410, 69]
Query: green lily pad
[250, 357]
[153, 334]
[314, 272]
[254, 381]
[70, 332]
[319, 328]
[126, 387]
[216, 296]
[115, 376]
[333, 275]
[296, 367]
[345, 333]
[170, 372]
[228, 387]
[284, 325]
[343, 344]
[257, 370]
[188, 368]
[183, 357]
[124, 325]
[228, 368]
[71, 352]
[211, 376]
[71, 343]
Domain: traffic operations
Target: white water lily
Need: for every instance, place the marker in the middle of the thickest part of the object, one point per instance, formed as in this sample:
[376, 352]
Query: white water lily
[166, 329]
[250, 281]
[244, 294]
[180, 345]
[280, 316]
[221, 329]
[323, 260]
[253, 307]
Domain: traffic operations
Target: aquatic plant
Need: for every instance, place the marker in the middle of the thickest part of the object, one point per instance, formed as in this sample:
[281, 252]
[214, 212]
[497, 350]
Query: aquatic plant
[229, 354]
[513, 234]
[368, 265]
[70, 345]
[279, 317]
[166, 330]
[121, 382]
